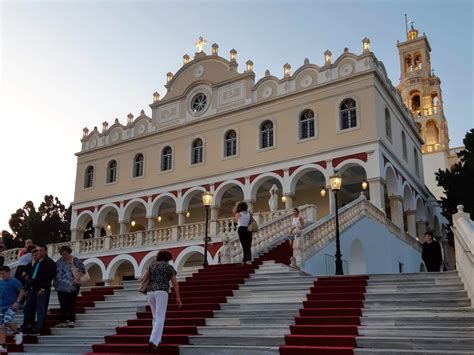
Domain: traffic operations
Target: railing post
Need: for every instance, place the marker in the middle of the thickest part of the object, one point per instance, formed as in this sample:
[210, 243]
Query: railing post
[108, 242]
[140, 239]
[213, 224]
[51, 250]
[76, 247]
[174, 233]
[312, 214]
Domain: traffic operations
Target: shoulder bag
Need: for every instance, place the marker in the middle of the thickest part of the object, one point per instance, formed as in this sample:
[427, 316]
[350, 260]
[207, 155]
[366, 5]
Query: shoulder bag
[253, 226]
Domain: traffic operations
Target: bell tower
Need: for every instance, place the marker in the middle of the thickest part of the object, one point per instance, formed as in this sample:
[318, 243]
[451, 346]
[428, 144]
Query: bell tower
[420, 89]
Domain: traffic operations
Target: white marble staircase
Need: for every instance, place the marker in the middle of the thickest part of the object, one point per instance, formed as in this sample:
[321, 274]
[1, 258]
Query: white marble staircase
[255, 320]
[96, 322]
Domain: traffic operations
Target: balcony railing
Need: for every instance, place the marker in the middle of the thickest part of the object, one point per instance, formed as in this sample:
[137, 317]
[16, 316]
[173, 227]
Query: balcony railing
[427, 111]
[429, 148]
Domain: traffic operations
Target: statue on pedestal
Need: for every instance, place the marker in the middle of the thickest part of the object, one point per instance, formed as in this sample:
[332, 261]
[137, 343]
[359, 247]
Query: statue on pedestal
[273, 200]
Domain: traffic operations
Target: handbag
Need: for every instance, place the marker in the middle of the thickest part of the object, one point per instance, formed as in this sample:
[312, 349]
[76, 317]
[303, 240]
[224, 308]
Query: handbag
[144, 284]
[253, 226]
[79, 277]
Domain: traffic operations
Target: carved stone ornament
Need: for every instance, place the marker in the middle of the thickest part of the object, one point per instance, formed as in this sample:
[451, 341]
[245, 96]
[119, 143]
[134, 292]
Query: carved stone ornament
[93, 143]
[115, 136]
[306, 81]
[198, 71]
[141, 129]
[346, 69]
[267, 91]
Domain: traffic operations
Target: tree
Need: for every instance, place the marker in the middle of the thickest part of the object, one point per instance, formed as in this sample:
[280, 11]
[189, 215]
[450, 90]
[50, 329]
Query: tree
[50, 223]
[457, 182]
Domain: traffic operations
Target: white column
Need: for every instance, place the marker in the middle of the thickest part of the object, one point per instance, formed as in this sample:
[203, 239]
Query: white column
[376, 190]
[396, 208]
[76, 234]
[123, 227]
[288, 201]
[97, 231]
[181, 218]
[421, 230]
[151, 223]
[411, 223]
[213, 225]
[331, 200]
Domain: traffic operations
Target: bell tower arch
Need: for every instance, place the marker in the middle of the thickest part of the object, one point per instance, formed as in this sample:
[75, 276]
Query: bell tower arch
[421, 92]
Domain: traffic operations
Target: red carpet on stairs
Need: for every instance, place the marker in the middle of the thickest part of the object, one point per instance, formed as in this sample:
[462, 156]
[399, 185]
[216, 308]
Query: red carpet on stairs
[201, 294]
[328, 323]
[85, 299]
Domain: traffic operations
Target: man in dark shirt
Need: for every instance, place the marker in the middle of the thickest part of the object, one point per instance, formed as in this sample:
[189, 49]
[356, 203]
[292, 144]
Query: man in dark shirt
[40, 277]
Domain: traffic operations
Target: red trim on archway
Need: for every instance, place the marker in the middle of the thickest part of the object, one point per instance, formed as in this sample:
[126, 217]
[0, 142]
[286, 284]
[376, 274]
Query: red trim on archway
[359, 156]
[80, 210]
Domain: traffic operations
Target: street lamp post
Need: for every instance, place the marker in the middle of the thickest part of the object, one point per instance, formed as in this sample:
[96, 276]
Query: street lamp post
[206, 201]
[336, 182]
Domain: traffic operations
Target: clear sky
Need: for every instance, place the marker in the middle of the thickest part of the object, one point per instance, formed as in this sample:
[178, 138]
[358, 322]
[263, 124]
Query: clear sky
[70, 64]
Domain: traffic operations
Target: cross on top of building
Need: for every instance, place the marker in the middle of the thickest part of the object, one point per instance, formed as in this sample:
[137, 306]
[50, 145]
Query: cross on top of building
[411, 22]
[200, 44]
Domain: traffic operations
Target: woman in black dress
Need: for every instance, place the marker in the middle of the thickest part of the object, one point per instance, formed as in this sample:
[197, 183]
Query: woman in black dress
[431, 253]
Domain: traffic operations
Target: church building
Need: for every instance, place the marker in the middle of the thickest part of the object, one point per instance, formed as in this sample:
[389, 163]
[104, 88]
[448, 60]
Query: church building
[273, 142]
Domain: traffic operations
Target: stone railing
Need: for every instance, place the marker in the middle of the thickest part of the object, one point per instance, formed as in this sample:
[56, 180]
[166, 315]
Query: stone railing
[11, 255]
[463, 230]
[192, 230]
[269, 234]
[321, 233]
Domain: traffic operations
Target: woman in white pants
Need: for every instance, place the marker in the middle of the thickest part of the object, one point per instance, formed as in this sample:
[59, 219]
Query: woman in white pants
[159, 275]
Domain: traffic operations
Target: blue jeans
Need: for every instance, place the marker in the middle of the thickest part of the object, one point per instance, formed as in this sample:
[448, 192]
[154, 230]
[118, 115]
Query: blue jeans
[36, 305]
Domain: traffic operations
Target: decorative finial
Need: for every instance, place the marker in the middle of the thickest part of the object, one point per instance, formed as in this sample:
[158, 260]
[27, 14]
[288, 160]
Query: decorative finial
[366, 45]
[169, 76]
[85, 132]
[346, 50]
[116, 121]
[105, 126]
[215, 49]
[95, 129]
[129, 118]
[306, 61]
[267, 72]
[233, 55]
[200, 44]
[185, 59]
[249, 64]
[142, 112]
[327, 57]
[287, 70]
[156, 96]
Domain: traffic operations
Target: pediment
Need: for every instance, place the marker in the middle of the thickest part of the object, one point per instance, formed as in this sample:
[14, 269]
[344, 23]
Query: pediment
[210, 69]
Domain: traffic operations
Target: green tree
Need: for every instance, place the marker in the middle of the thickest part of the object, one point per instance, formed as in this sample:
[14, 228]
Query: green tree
[458, 182]
[50, 223]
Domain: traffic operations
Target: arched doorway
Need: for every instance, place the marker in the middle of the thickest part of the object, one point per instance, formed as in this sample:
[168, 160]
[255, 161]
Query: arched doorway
[260, 193]
[357, 260]
[306, 184]
[352, 177]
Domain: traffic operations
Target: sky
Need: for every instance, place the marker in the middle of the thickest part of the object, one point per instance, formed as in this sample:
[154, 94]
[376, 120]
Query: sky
[66, 65]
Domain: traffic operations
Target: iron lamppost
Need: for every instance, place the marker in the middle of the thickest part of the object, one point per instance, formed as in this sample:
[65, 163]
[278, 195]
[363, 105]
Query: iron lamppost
[336, 181]
[206, 201]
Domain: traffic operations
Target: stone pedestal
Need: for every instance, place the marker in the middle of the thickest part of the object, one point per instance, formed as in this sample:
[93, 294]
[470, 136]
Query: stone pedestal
[376, 191]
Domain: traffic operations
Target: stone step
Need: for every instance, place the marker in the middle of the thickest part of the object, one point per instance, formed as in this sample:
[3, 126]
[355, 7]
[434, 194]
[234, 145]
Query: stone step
[432, 281]
[359, 351]
[248, 330]
[439, 295]
[295, 292]
[269, 282]
[257, 306]
[414, 288]
[416, 303]
[433, 342]
[249, 314]
[416, 310]
[80, 329]
[418, 321]
[255, 340]
[243, 321]
[288, 275]
[267, 299]
[227, 350]
[65, 340]
[427, 331]
[416, 275]
[57, 348]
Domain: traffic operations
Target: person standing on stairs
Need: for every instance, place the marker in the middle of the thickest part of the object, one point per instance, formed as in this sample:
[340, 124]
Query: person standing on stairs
[12, 292]
[42, 274]
[243, 218]
[157, 279]
[69, 271]
[431, 255]
[297, 225]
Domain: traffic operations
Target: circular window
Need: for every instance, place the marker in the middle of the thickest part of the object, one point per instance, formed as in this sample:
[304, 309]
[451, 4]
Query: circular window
[199, 102]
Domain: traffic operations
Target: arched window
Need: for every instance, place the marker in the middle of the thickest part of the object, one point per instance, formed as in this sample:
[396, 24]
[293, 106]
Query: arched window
[138, 165]
[89, 177]
[431, 133]
[166, 158]
[112, 171]
[416, 103]
[408, 64]
[417, 164]
[388, 124]
[348, 114]
[306, 124]
[266, 134]
[230, 143]
[417, 61]
[196, 151]
[435, 102]
[404, 145]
